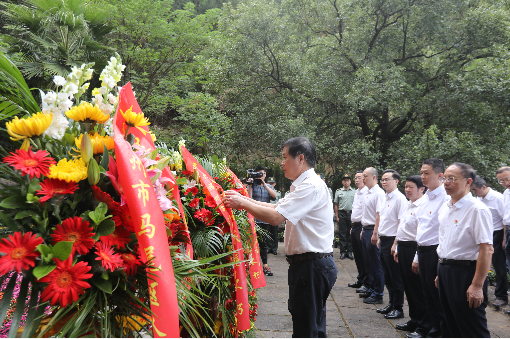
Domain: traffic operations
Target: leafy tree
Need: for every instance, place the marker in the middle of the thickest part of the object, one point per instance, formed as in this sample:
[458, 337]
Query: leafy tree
[349, 74]
[50, 36]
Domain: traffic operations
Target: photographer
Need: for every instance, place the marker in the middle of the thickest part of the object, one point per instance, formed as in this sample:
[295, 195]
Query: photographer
[260, 191]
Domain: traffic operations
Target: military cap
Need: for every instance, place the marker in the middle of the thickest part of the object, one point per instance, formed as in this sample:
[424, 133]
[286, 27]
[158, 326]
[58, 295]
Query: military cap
[271, 179]
[346, 176]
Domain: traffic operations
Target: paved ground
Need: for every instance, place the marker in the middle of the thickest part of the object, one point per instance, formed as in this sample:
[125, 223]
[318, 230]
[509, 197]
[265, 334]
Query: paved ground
[347, 315]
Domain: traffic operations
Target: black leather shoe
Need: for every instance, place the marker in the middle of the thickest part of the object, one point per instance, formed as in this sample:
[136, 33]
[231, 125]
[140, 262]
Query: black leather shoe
[385, 310]
[362, 289]
[275, 252]
[414, 335]
[372, 300]
[342, 256]
[350, 256]
[357, 284]
[405, 327]
[365, 295]
[395, 314]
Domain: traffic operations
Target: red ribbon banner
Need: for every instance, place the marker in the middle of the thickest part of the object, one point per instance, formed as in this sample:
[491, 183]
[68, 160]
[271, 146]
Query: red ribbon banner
[243, 317]
[257, 275]
[127, 100]
[150, 230]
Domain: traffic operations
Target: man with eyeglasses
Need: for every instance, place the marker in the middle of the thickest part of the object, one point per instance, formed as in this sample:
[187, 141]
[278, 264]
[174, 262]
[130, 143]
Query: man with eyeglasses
[386, 227]
[372, 206]
[427, 239]
[465, 251]
[494, 201]
[361, 283]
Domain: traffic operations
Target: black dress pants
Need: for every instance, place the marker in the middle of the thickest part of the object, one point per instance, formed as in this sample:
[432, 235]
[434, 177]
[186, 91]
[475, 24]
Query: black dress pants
[428, 261]
[357, 250]
[274, 238]
[499, 263]
[461, 321]
[310, 283]
[264, 240]
[412, 287]
[373, 265]
[392, 277]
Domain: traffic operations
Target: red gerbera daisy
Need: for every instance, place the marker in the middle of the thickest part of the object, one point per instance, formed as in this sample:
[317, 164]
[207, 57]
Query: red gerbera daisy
[205, 216]
[103, 197]
[30, 163]
[77, 230]
[119, 237]
[122, 217]
[193, 190]
[210, 202]
[53, 187]
[109, 260]
[66, 282]
[19, 252]
[187, 173]
[131, 262]
[194, 203]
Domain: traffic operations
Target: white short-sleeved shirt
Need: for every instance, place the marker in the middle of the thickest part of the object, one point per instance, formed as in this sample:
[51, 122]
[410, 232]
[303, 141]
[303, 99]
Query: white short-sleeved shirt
[463, 227]
[357, 204]
[506, 201]
[372, 205]
[394, 205]
[309, 213]
[428, 224]
[494, 201]
[408, 222]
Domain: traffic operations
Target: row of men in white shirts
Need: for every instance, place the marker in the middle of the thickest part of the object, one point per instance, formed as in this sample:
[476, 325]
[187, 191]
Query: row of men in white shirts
[437, 247]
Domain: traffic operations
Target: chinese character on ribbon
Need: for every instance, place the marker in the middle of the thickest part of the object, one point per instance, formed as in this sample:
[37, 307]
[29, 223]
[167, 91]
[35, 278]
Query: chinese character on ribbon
[142, 192]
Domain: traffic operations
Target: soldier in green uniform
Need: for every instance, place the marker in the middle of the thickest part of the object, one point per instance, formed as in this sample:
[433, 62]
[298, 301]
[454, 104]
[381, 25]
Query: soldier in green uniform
[274, 230]
[344, 198]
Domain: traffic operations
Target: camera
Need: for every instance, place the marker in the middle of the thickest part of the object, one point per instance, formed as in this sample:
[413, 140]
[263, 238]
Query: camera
[255, 176]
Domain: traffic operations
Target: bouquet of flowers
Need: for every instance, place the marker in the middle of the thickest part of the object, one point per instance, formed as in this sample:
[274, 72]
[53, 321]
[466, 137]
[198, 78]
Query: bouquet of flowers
[76, 240]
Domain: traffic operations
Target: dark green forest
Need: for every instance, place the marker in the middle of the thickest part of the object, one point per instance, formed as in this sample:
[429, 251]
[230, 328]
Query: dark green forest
[383, 83]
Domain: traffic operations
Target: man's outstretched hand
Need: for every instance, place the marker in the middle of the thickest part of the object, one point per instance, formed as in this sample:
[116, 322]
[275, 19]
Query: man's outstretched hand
[233, 199]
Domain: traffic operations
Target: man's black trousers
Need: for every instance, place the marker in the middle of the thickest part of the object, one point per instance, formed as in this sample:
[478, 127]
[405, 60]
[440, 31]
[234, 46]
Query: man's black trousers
[461, 321]
[392, 277]
[357, 250]
[372, 265]
[428, 261]
[412, 287]
[264, 239]
[310, 283]
[499, 263]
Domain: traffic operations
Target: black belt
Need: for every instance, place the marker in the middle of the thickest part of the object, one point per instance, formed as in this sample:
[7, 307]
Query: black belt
[424, 249]
[368, 227]
[291, 259]
[356, 224]
[346, 211]
[406, 243]
[454, 262]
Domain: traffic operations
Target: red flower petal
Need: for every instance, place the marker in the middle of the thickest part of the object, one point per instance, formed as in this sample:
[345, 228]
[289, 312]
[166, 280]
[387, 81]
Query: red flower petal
[30, 163]
[19, 252]
[77, 230]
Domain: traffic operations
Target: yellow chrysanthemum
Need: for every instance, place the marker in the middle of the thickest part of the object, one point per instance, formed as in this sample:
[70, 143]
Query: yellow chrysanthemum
[87, 113]
[97, 142]
[135, 119]
[26, 128]
[69, 170]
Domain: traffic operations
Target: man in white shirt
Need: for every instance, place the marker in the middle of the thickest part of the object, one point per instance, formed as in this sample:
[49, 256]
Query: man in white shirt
[465, 250]
[427, 238]
[357, 247]
[503, 175]
[494, 201]
[309, 231]
[387, 225]
[372, 206]
[404, 250]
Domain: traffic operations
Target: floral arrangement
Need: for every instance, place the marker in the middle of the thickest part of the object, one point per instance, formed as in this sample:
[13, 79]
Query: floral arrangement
[211, 235]
[71, 263]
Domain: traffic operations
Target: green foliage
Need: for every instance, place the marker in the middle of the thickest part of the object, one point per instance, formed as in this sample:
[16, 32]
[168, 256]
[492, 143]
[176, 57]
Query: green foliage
[48, 37]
